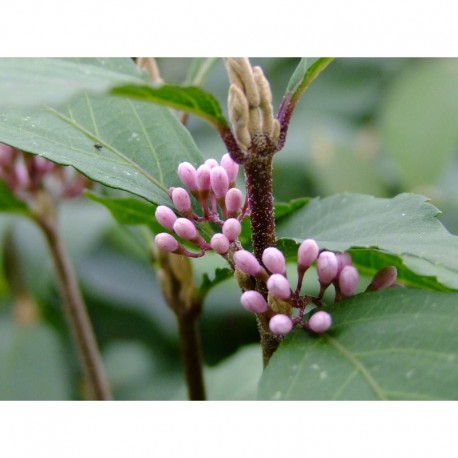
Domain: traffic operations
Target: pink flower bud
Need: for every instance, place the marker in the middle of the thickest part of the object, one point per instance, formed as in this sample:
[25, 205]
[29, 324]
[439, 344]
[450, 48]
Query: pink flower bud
[254, 302]
[234, 201]
[320, 322]
[220, 243]
[22, 174]
[343, 259]
[348, 280]
[326, 267]
[188, 175]
[219, 181]
[185, 228]
[232, 228]
[181, 200]
[231, 167]
[274, 260]
[166, 242]
[307, 253]
[203, 178]
[280, 325]
[247, 263]
[384, 278]
[165, 216]
[278, 286]
[210, 163]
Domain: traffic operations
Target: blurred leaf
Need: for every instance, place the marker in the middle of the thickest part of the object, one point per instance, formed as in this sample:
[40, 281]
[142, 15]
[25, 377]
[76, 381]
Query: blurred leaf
[32, 82]
[32, 366]
[221, 274]
[397, 344]
[406, 226]
[419, 121]
[125, 144]
[186, 98]
[9, 202]
[129, 210]
[199, 69]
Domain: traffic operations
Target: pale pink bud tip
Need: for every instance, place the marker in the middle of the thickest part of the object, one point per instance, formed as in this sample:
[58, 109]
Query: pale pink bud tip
[247, 263]
[219, 181]
[220, 243]
[343, 259]
[384, 278]
[166, 242]
[234, 200]
[181, 200]
[307, 253]
[211, 163]
[188, 175]
[278, 286]
[185, 229]
[254, 302]
[320, 322]
[280, 325]
[326, 267]
[203, 178]
[348, 280]
[274, 260]
[165, 216]
[231, 167]
[232, 228]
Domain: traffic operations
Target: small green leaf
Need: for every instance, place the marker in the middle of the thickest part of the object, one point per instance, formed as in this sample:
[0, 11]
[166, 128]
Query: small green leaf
[32, 82]
[221, 274]
[396, 344]
[129, 210]
[125, 144]
[190, 99]
[9, 202]
[284, 209]
[406, 226]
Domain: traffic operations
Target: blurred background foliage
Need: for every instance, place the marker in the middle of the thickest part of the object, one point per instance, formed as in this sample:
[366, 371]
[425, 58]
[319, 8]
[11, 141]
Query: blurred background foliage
[375, 126]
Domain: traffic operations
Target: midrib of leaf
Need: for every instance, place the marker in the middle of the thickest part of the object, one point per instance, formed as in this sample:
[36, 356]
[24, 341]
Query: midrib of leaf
[358, 365]
[118, 153]
[407, 351]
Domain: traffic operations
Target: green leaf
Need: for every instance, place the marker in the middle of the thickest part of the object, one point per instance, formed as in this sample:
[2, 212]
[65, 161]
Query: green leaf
[32, 366]
[221, 274]
[32, 82]
[9, 202]
[186, 98]
[396, 344]
[419, 128]
[406, 226]
[284, 209]
[129, 210]
[304, 75]
[125, 144]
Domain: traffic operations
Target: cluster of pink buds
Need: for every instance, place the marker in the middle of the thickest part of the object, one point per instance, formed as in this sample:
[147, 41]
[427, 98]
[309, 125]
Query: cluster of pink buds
[334, 269]
[26, 174]
[212, 185]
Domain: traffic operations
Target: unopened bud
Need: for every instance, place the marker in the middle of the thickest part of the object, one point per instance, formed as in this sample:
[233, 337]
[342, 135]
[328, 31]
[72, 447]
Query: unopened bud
[247, 263]
[343, 259]
[320, 322]
[254, 302]
[274, 260]
[278, 286]
[167, 242]
[210, 163]
[219, 181]
[233, 201]
[165, 216]
[185, 228]
[384, 278]
[307, 253]
[203, 178]
[188, 175]
[231, 167]
[280, 325]
[220, 243]
[348, 280]
[232, 228]
[181, 200]
[326, 267]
